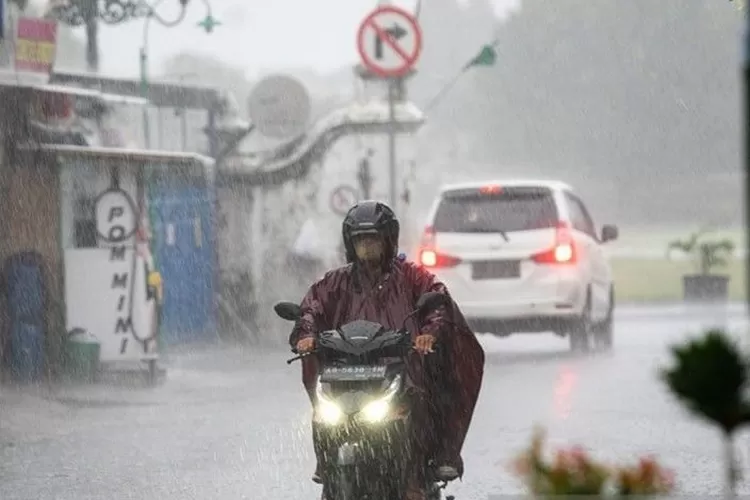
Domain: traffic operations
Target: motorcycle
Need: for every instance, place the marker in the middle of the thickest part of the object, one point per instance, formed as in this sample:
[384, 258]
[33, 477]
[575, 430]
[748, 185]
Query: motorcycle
[362, 410]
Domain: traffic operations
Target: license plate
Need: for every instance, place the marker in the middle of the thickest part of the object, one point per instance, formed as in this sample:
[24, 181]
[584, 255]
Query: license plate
[496, 269]
[352, 373]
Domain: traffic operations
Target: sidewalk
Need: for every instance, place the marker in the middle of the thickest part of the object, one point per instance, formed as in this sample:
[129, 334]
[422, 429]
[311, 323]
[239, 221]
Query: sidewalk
[668, 310]
[182, 371]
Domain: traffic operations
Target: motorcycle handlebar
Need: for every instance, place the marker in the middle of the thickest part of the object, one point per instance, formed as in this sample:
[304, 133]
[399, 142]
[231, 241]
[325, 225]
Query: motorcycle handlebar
[309, 353]
[300, 356]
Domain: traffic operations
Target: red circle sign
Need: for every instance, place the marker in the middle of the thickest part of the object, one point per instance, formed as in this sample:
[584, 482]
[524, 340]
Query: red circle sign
[390, 30]
[343, 198]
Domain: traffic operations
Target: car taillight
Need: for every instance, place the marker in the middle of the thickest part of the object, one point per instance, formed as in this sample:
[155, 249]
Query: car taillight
[490, 189]
[429, 257]
[436, 260]
[564, 251]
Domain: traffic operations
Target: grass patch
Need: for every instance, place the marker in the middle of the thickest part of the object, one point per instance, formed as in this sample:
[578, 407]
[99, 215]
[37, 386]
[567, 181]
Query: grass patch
[660, 280]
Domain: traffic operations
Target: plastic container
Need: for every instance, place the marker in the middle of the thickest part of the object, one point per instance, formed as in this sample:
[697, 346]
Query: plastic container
[82, 351]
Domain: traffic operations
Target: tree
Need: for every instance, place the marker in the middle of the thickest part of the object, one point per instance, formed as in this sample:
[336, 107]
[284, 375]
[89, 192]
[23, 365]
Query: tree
[617, 92]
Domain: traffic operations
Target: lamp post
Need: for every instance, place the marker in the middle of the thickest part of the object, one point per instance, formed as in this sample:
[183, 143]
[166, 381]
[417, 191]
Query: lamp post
[89, 13]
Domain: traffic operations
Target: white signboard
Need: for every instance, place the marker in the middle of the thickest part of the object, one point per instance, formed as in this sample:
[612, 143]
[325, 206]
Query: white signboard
[106, 287]
[279, 107]
[105, 297]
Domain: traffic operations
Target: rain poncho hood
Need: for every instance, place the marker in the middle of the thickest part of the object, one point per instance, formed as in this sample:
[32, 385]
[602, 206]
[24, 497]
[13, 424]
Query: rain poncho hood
[345, 295]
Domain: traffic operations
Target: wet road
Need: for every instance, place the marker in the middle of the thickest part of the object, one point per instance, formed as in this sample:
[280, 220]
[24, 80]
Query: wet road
[230, 424]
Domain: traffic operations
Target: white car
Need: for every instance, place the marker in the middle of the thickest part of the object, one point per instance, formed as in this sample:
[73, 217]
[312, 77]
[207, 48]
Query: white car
[523, 256]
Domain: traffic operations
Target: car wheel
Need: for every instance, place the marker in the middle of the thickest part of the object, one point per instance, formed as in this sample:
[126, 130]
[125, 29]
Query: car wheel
[604, 331]
[580, 333]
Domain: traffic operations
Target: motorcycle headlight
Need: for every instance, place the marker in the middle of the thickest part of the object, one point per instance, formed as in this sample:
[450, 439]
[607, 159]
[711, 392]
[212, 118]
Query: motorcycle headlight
[376, 411]
[328, 411]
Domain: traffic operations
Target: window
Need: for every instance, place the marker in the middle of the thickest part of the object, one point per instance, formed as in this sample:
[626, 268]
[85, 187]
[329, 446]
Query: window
[508, 210]
[84, 223]
[580, 216]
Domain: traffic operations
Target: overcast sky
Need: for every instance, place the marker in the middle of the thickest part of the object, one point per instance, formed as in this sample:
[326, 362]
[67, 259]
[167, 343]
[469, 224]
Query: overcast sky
[259, 35]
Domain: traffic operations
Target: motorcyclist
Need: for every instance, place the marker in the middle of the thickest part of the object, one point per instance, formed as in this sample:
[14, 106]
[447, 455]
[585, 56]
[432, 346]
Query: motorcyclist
[377, 285]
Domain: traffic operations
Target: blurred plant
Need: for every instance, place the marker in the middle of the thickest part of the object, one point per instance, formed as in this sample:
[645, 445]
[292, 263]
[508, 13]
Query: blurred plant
[709, 377]
[707, 254]
[572, 472]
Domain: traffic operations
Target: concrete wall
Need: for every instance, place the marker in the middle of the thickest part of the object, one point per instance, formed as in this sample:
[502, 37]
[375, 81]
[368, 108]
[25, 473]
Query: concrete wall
[262, 234]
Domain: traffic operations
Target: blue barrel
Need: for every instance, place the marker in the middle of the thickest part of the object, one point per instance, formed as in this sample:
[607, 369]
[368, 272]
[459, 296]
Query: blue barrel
[25, 287]
[27, 351]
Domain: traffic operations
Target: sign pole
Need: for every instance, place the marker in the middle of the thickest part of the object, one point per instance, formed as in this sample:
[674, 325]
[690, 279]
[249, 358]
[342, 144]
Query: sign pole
[392, 142]
[389, 42]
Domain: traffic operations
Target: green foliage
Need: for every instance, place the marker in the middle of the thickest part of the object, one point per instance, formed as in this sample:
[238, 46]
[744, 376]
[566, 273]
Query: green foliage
[707, 254]
[604, 93]
[708, 376]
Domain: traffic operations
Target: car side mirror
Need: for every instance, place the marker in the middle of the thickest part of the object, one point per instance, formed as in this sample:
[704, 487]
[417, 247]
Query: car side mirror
[288, 311]
[609, 233]
[430, 301]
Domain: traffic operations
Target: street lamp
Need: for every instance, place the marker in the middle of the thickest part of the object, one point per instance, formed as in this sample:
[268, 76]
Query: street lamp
[88, 13]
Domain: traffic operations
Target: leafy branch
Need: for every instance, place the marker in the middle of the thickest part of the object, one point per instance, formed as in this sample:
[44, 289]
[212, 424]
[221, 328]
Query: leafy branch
[708, 377]
[707, 254]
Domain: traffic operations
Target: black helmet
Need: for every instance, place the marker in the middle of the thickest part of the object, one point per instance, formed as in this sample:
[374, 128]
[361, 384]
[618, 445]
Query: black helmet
[371, 217]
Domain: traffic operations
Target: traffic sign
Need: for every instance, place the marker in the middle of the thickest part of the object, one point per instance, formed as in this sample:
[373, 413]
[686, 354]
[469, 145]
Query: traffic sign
[343, 198]
[389, 41]
[279, 106]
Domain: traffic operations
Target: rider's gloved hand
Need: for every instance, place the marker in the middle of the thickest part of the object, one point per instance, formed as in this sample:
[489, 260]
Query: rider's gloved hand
[306, 345]
[423, 343]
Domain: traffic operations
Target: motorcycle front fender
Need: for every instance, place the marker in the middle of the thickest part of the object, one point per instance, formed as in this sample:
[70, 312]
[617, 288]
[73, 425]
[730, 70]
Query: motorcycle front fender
[348, 454]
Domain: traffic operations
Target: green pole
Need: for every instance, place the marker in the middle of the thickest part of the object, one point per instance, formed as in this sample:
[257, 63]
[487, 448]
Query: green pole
[144, 94]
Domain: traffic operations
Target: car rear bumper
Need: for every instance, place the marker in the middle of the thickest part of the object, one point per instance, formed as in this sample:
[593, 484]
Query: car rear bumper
[525, 309]
[554, 314]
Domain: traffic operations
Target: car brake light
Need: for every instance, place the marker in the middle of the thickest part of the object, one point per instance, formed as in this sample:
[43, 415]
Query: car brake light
[490, 189]
[433, 259]
[564, 251]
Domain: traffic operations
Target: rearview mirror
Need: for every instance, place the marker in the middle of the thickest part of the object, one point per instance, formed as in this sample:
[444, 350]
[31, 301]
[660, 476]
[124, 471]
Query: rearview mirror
[609, 233]
[430, 301]
[288, 311]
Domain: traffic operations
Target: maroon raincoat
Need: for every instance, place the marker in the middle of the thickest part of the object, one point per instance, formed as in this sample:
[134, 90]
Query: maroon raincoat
[344, 295]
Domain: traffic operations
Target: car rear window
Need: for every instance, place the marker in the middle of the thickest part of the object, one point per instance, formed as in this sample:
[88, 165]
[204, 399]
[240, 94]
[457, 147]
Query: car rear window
[508, 210]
